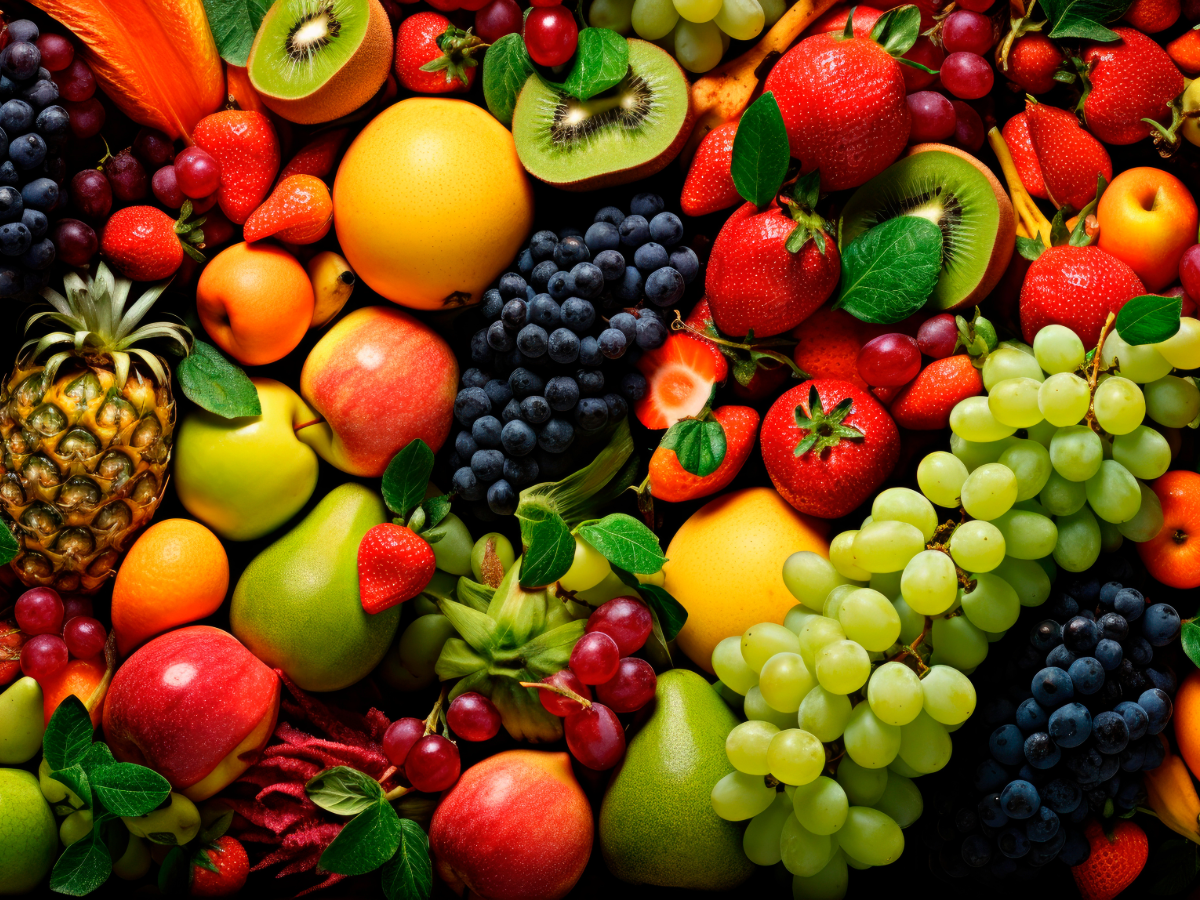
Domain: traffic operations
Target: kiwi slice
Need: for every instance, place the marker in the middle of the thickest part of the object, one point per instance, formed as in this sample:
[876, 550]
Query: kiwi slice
[624, 134]
[955, 192]
[318, 60]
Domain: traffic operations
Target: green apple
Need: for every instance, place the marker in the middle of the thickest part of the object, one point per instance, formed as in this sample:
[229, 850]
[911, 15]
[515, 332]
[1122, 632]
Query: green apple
[22, 721]
[28, 835]
[245, 477]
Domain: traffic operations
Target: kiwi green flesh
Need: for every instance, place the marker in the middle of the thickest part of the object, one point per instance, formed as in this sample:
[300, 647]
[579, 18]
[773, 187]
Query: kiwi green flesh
[561, 139]
[303, 43]
[949, 192]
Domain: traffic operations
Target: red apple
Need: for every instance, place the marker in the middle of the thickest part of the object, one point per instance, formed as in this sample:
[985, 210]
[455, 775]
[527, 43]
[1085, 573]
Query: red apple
[380, 379]
[194, 705]
[516, 826]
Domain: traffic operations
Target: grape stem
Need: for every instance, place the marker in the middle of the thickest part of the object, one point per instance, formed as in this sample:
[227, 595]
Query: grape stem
[911, 649]
[561, 691]
[1090, 417]
[431, 721]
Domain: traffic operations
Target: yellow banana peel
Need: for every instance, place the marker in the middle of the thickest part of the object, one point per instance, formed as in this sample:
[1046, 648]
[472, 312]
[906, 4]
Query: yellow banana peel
[1031, 223]
[1173, 797]
[332, 283]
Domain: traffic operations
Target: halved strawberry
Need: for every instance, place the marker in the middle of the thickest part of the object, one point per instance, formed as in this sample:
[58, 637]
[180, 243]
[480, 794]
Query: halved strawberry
[680, 376]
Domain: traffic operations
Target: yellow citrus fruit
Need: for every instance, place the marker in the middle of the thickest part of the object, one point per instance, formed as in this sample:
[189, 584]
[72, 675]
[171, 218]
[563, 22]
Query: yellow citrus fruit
[431, 203]
[725, 565]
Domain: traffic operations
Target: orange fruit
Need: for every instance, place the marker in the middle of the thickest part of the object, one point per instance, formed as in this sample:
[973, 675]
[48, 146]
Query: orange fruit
[85, 678]
[1173, 557]
[1186, 720]
[176, 573]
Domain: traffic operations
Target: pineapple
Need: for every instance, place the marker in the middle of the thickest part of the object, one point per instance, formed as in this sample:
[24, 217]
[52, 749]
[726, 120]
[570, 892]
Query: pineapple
[87, 433]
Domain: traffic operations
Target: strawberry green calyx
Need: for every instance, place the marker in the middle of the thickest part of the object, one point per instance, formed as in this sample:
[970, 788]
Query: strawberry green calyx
[457, 48]
[1018, 26]
[801, 205]
[825, 430]
[896, 32]
[189, 232]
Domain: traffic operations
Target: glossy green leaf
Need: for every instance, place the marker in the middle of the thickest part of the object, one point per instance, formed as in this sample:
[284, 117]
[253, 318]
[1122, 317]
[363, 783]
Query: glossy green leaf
[625, 542]
[699, 445]
[889, 271]
[406, 478]
[1149, 319]
[1190, 637]
[506, 67]
[760, 152]
[897, 30]
[68, 734]
[343, 790]
[127, 789]
[549, 548]
[365, 843]
[82, 868]
[213, 383]
[601, 61]
[233, 24]
[409, 874]
[1083, 19]
[670, 612]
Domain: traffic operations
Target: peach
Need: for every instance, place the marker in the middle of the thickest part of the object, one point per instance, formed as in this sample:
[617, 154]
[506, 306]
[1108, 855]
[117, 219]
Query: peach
[1147, 219]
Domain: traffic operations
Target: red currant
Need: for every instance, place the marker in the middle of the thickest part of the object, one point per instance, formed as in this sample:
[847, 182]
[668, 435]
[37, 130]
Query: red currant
[595, 657]
[43, 655]
[595, 737]
[40, 611]
[85, 636]
[197, 173]
[496, 19]
[889, 360]
[624, 619]
[557, 704]
[551, 35]
[473, 717]
[432, 764]
[631, 688]
[400, 737]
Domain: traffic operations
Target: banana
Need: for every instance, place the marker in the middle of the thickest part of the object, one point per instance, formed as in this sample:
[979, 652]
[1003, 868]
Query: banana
[1173, 796]
[332, 283]
[1030, 221]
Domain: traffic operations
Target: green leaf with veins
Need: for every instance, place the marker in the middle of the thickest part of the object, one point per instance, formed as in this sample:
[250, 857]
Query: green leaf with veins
[889, 271]
[409, 874]
[897, 30]
[625, 542]
[68, 734]
[127, 789]
[760, 152]
[506, 67]
[365, 843]
[406, 478]
[343, 790]
[215, 384]
[82, 868]
[699, 444]
[1149, 319]
[1083, 19]
[601, 61]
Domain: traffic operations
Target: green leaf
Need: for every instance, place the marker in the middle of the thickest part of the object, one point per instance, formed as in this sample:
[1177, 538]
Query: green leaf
[213, 383]
[75, 778]
[1149, 319]
[409, 875]
[670, 611]
[98, 756]
[601, 61]
[127, 789]
[1190, 637]
[366, 842]
[82, 868]
[760, 152]
[1083, 19]
[436, 509]
[506, 68]
[897, 30]
[699, 445]
[343, 790]
[406, 478]
[625, 542]
[219, 826]
[549, 548]
[9, 546]
[68, 734]
[173, 873]
[233, 24]
[889, 271]
[1030, 248]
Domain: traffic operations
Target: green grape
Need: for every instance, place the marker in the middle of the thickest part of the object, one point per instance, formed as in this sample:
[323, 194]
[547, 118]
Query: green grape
[903, 769]
[1006, 362]
[992, 637]
[653, 19]
[941, 476]
[854, 863]
[699, 46]
[841, 556]
[762, 641]
[821, 805]
[1111, 538]
[667, 41]
[725, 41]
[614, 14]
[834, 601]
[761, 838]
[1172, 401]
[972, 420]
[732, 698]
[1149, 519]
[1031, 506]
[989, 491]
[816, 633]
[1143, 451]
[887, 583]
[906, 505]
[1062, 497]
[974, 454]
[1113, 493]
[772, 10]
[871, 837]
[803, 852]
[1042, 433]
[1027, 535]
[895, 694]
[409, 666]
[1014, 402]
[1182, 350]
[741, 19]
[810, 577]
[925, 744]
[831, 883]
[1063, 399]
[452, 548]
[784, 682]
[1141, 363]
[929, 583]
[1076, 452]
[1027, 578]
[992, 605]
[948, 694]
[870, 741]
[697, 11]
[958, 643]
[588, 568]
[869, 618]
[863, 786]
[755, 707]
[911, 623]
[1049, 565]
[1078, 545]
[746, 746]
[865, 522]
[795, 756]
[977, 546]
[795, 618]
[731, 668]
[842, 666]
[824, 714]
[1029, 461]
[1058, 349]
[901, 800]
[1119, 406]
[739, 796]
[886, 546]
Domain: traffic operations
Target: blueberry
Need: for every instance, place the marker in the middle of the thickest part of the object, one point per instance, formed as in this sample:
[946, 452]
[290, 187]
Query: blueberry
[485, 431]
[1087, 675]
[492, 304]
[1041, 751]
[578, 314]
[465, 484]
[8, 88]
[517, 438]
[562, 392]
[20, 60]
[502, 499]
[1060, 657]
[481, 351]
[1080, 634]
[535, 410]
[1155, 702]
[649, 257]
[589, 352]
[556, 435]
[1109, 653]
[40, 254]
[1043, 826]
[591, 413]
[1020, 799]
[1110, 731]
[664, 286]
[525, 383]
[542, 273]
[1160, 624]
[499, 337]
[1155, 752]
[42, 94]
[635, 231]
[571, 251]
[1046, 635]
[1031, 717]
[1108, 593]
[1006, 745]
[11, 282]
[544, 311]
[40, 194]
[16, 117]
[487, 465]
[1113, 626]
[511, 412]
[532, 340]
[617, 407]
[684, 261]
[11, 204]
[8, 173]
[563, 345]
[1087, 614]
[1138, 650]
[1136, 719]
[602, 236]
[990, 776]
[464, 445]
[1129, 602]
[1134, 755]
[610, 263]
[525, 263]
[473, 377]
[542, 244]
[633, 385]
[498, 392]
[629, 289]
[646, 205]
[1163, 679]
[666, 229]
[1062, 607]
[612, 343]
[990, 811]
[515, 314]
[589, 280]
[470, 404]
[560, 286]
[977, 851]
[1061, 795]
[511, 285]
[15, 239]
[1070, 725]
[611, 215]
[520, 471]
[1052, 687]
[590, 381]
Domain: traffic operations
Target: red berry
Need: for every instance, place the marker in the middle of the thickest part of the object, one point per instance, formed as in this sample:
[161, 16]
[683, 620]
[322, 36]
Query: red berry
[551, 35]
[91, 194]
[631, 688]
[496, 19]
[84, 636]
[197, 173]
[595, 737]
[153, 147]
[400, 737]
[473, 717]
[557, 704]
[75, 243]
[967, 76]
[86, 117]
[76, 605]
[938, 336]
[432, 764]
[40, 611]
[595, 658]
[933, 117]
[889, 360]
[128, 177]
[43, 655]
[57, 52]
[969, 131]
[624, 619]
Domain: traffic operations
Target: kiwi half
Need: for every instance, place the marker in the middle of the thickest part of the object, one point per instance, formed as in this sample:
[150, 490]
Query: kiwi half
[624, 134]
[960, 195]
[318, 60]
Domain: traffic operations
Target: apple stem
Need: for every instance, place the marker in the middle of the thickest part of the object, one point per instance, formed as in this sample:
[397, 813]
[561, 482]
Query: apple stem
[317, 421]
[561, 691]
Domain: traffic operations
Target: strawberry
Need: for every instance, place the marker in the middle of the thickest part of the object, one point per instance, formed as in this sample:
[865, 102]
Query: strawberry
[1077, 287]
[1185, 52]
[394, 564]
[924, 51]
[246, 146]
[299, 211]
[317, 156]
[709, 184]
[827, 446]
[1117, 858]
[670, 481]
[834, 21]
[765, 367]
[1153, 16]
[1070, 157]
[222, 870]
[434, 57]
[1020, 145]
[680, 377]
[924, 403]
[1127, 81]
[1032, 62]
[145, 244]
[828, 341]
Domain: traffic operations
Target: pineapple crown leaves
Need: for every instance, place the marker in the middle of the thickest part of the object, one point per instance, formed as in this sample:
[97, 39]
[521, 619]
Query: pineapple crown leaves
[825, 430]
[457, 47]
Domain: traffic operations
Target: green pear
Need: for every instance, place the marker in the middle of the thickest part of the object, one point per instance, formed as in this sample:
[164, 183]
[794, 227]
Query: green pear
[657, 824]
[22, 721]
[296, 606]
[28, 835]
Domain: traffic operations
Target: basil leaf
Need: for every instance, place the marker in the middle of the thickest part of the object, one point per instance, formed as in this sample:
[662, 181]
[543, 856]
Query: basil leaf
[625, 542]
[406, 478]
[1190, 637]
[68, 734]
[365, 843]
[549, 548]
[213, 383]
[1149, 319]
[670, 611]
[76, 780]
[897, 30]
[343, 790]
[506, 68]
[1083, 19]
[889, 271]
[82, 868]
[1030, 248]
[601, 61]
[760, 152]
[127, 789]
[233, 24]
[699, 445]
[409, 875]
[9, 547]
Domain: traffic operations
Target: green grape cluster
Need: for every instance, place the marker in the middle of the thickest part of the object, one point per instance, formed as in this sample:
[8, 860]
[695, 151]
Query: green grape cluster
[696, 32]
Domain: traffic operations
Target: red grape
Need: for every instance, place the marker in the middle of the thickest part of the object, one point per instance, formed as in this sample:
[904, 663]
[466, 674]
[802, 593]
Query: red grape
[1189, 305]
[889, 360]
[217, 229]
[595, 657]
[967, 76]
[967, 32]
[473, 717]
[166, 188]
[551, 35]
[624, 619]
[76, 82]
[76, 605]
[91, 194]
[43, 655]
[969, 131]
[631, 688]
[197, 173]
[557, 704]
[473, 5]
[40, 611]
[87, 117]
[933, 117]
[536, 3]
[928, 54]
[400, 737]
[445, 5]
[595, 737]
[498, 18]
[85, 636]
[938, 336]
[432, 764]
[57, 52]
[153, 147]
[204, 204]
[74, 242]
[1189, 270]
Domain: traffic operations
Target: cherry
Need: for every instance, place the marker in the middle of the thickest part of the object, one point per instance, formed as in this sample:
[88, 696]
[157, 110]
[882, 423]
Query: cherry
[75, 242]
[557, 704]
[57, 52]
[400, 737]
[166, 189]
[968, 32]
[624, 619]
[551, 35]
[153, 147]
[197, 173]
[76, 82]
[40, 611]
[938, 336]
[496, 19]
[87, 117]
[631, 688]
[473, 717]
[91, 194]
[595, 658]
[84, 636]
[43, 655]
[595, 737]
[889, 360]
[432, 764]
[967, 76]
[933, 117]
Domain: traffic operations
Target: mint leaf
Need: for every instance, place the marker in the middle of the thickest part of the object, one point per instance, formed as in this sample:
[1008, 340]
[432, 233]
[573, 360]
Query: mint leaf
[760, 152]
[699, 445]
[82, 868]
[68, 734]
[1190, 637]
[233, 24]
[213, 383]
[127, 789]
[889, 271]
[549, 548]
[409, 875]
[343, 790]
[1149, 319]
[407, 477]
[506, 68]
[1083, 19]
[366, 842]
[601, 61]
[897, 30]
[670, 612]
[625, 542]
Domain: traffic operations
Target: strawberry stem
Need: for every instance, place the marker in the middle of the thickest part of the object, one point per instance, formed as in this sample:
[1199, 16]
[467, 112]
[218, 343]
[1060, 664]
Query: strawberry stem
[456, 46]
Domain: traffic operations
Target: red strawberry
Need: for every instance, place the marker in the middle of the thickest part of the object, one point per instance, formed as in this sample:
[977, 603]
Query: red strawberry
[1185, 51]
[843, 104]
[767, 374]
[828, 341]
[145, 244]
[834, 21]
[924, 403]
[1152, 16]
[223, 870]
[1077, 287]
[317, 156]
[923, 51]
[1032, 62]
[245, 144]
[680, 376]
[299, 211]
[709, 184]
[1070, 157]
[434, 57]
[827, 446]
[1117, 858]
[1130, 80]
[1020, 145]
[670, 481]
[394, 564]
